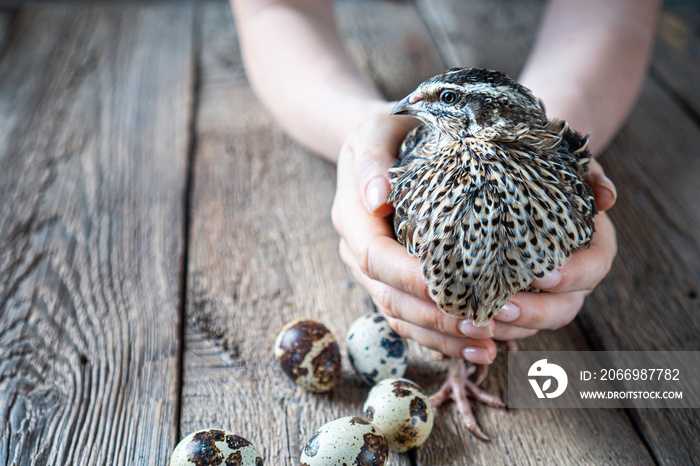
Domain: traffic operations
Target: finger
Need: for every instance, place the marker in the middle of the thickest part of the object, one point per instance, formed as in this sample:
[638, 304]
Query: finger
[387, 261]
[604, 189]
[349, 211]
[403, 306]
[370, 240]
[481, 351]
[368, 236]
[545, 310]
[504, 332]
[586, 267]
[374, 154]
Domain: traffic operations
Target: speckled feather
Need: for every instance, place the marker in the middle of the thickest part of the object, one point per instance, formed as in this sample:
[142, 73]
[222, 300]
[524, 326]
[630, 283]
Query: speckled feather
[488, 192]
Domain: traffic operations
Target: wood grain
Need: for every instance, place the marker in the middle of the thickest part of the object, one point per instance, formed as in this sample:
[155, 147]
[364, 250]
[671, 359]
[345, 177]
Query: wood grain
[649, 301]
[6, 21]
[389, 43]
[263, 252]
[652, 290]
[94, 109]
[676, 61]
[495, 35]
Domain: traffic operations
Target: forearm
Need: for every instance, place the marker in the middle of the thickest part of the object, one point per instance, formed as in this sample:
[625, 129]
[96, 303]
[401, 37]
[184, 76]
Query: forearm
[298, 68]
[589, 62]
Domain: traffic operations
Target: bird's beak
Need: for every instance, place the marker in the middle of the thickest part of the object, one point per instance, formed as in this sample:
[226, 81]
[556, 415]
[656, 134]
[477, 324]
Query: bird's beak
[407, 105]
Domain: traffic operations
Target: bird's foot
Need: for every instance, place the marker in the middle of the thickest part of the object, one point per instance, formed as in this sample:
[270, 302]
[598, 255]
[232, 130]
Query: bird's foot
[458, 387]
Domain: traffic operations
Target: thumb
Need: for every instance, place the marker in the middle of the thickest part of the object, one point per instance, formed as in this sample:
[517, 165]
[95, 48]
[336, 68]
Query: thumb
[604, 190]
[376, 145]
[376, 196]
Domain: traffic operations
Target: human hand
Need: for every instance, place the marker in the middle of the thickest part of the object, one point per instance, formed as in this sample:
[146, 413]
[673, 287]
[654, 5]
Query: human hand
[380, 264]
[527, 313]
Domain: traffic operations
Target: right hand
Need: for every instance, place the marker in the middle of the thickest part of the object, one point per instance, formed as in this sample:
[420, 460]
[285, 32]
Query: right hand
[380, 264]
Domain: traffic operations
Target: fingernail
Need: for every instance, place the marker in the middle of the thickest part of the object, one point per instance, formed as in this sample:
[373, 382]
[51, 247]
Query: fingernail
[492, 352]
[508, 313]
[476, 355]
[376, 193]
[607, 184]
[470, 330]
[550, 280]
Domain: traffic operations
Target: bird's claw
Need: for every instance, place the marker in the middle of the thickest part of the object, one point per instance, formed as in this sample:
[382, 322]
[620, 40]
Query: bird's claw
[458, 388]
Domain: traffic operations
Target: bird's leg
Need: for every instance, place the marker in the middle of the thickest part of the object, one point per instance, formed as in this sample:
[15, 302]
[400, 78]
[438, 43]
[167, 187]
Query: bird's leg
[458, 387]
[482, 371]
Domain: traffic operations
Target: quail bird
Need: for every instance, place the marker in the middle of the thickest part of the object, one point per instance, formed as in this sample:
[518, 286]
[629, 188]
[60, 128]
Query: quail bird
[489, 194]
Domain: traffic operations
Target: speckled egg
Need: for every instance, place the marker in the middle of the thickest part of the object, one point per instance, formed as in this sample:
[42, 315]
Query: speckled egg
[213, 447]
[309, 354]
[400, 409]
[375, 350]
[348, 440]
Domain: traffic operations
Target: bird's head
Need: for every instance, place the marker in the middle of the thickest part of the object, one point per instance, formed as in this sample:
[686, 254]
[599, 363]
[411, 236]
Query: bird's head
[472, 102]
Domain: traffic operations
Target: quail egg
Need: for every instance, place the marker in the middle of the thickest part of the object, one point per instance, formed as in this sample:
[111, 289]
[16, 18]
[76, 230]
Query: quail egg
[348, 440]
[309, 354]
[215, 446]
[400, 409]
[375, 350]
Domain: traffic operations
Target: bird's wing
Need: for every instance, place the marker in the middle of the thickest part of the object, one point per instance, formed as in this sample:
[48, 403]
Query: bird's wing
[416, 149]
[571, 142]
[418, 144]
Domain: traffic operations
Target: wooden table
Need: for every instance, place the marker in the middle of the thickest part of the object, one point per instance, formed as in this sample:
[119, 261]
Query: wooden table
[157, 229]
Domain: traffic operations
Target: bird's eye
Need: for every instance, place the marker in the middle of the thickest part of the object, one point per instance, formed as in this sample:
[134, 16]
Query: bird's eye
[448, 97]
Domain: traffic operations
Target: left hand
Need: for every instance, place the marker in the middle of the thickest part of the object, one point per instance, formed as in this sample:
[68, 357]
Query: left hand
[566, 288]
[380, 264]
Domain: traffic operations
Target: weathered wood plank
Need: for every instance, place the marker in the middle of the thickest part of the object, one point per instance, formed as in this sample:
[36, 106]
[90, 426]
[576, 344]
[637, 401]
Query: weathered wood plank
[649, 300]
[538, 436]
[389, 43]
[676, 61]
[6, 21]
[495, 35]
[94, 111]
[263, 252]
[255, 224]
